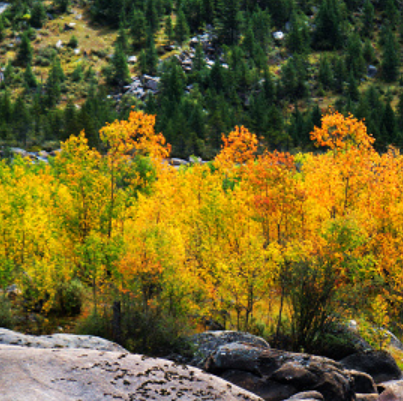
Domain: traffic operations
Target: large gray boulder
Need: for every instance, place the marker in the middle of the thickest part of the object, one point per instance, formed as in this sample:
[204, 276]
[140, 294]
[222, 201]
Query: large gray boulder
[58, 341]
[208, 343]
[36, 374]
[378, 364]
[272, 374]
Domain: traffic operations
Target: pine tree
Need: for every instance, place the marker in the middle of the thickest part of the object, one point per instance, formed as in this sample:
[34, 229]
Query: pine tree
[388, 127]
[142, 62]
[2, 29]
[228, 21]
[354, 58]
[151, 15]
[280, 10]
[169, 30]
[368, 19]
[353, 91]
[138, 28]
[298, 38]
[325, 73]
[391, 12]
[368, 52]
[122, 38]
[70, 120]
[261, 24]
[29, 77]
[38, 15]
[21, 120]
[25, 52]
[120, 69]
[181, 27]
[151, 54]
[390, 60]
[328, 35]
[340, 73]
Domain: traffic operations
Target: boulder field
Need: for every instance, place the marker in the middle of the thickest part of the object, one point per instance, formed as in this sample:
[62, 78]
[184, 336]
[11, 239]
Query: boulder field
[227, 366]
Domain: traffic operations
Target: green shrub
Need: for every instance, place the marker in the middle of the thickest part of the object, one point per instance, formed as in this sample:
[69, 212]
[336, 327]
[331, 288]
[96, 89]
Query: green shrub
[69, 298]
[6, 319]
[73, 43]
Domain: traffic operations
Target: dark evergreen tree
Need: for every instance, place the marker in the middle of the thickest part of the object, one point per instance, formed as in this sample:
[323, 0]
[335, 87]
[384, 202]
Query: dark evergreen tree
[391, 13]
[120, 69]
[71, 126]
[63, 5]
[151, 54]
[29, 78]
[328, 35]
[388, 127]
[122, 39]
[369, 52]
[21, 120]
[151, 15]
[355, 61]
[261, 24]
[340, 74]
[280, 10]
[38, 14]
[25, 51]
[169, 30]
[2, 29]
[352, 90]
[181, 27]
[368, 19]
[228, 21]
[138, 28]
[325, 76]
[390, 60]
[298, 39]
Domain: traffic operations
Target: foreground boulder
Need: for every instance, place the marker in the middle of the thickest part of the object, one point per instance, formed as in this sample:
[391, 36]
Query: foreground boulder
[58, 341]
[391, 391]
[87, 375]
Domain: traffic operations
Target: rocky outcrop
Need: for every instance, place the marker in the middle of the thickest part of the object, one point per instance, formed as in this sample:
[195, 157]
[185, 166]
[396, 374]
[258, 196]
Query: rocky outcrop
[275, 375]
[208, 343]
[59, 341]
[249, 362]
[379, 365]
[75, 374]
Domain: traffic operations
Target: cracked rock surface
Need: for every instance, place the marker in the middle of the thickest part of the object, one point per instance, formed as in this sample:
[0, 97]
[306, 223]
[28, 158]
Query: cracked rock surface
[45, 374]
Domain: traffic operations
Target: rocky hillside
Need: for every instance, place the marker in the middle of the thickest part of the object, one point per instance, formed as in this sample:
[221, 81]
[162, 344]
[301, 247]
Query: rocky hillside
[68, 367]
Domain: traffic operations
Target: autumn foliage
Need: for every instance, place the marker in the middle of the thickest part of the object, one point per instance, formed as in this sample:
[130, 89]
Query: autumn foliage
[240, 240]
